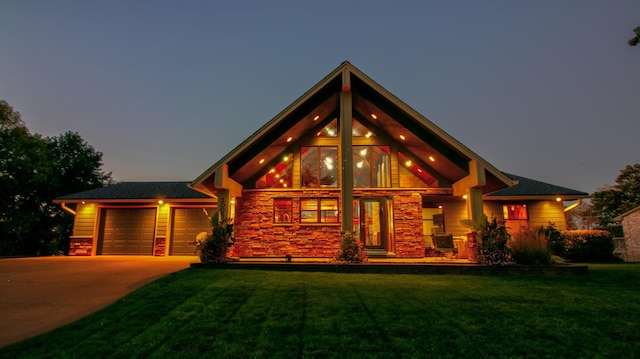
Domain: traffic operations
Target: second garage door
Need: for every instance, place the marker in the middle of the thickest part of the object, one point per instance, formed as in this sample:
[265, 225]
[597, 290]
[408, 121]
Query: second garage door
[127, 231]
[185, 226]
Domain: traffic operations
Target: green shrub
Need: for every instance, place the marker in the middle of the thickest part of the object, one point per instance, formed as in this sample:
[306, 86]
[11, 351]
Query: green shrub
[530, 246]
[213, 248]
[492, 242]
[557, 242]
[589, 245]
[351, 250]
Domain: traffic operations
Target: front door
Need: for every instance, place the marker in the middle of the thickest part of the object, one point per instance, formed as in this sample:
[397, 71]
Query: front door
[370, 222]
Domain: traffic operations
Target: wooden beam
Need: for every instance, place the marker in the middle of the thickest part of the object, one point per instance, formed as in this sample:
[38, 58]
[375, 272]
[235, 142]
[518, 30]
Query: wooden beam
[476, 178]
[346, 156]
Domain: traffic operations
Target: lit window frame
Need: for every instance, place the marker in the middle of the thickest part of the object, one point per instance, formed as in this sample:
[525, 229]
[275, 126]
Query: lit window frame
[321, 214]
[282, 212]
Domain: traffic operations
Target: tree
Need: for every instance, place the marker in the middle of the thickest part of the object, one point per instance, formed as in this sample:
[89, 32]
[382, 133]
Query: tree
[615, 200]
[33, 172]
[582, 217]
[634, 41]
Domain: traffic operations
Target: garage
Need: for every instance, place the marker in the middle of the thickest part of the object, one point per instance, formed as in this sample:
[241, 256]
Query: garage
[185, 225]
[127, 231]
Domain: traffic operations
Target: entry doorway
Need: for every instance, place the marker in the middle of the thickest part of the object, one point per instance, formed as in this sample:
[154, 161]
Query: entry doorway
[371, 222]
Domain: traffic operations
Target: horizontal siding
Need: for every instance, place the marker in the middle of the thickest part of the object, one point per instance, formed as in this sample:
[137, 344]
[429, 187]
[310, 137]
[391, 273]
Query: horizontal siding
[453, 213]
[541, 213]
[162, 221]
[85, 220]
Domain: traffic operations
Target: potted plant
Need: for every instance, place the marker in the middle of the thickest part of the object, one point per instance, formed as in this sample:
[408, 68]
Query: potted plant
[213, 248]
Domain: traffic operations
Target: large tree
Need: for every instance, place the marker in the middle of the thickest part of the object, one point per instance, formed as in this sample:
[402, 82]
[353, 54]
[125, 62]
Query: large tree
[615, 200]
[34, 171]
[634, 41]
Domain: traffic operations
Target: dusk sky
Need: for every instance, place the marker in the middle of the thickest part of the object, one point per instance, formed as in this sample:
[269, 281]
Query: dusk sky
[543, 89]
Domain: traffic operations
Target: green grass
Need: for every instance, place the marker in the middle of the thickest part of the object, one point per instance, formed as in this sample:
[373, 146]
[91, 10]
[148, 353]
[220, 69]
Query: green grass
[200, 313]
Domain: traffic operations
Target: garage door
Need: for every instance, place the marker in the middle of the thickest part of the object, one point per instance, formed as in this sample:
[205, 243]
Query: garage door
[127, 231]
[185, 226]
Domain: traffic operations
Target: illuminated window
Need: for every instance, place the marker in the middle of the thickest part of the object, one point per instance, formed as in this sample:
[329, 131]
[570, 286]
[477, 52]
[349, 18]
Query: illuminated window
[371, 166]
[516, 217]
[359, 130]
[330, 130]
[282, 210]
[412, 175]
[319, 167]
[278, 176]
[319, 210]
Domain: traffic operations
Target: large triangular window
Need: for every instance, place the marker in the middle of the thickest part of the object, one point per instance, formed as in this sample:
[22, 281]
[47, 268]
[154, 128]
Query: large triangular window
[359, 130]
[328, 131]
[412, 175]
[278, 176]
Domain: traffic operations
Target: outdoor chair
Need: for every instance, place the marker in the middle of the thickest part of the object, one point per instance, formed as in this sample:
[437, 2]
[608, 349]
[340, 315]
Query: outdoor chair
[443, 244]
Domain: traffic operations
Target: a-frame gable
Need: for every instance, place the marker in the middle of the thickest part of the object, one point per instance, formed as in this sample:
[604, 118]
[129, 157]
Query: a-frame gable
[371, 103]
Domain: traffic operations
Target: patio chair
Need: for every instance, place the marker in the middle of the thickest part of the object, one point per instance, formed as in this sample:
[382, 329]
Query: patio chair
[443, 243]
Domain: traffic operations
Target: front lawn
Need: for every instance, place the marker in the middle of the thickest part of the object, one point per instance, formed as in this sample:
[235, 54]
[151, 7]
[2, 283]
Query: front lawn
[199, 313]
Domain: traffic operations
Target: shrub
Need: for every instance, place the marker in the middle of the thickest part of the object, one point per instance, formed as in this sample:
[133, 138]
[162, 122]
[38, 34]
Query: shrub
[492, 242]
[351, 250]
[557, 242]
[589, 245]
[213, 248]
[530, 246]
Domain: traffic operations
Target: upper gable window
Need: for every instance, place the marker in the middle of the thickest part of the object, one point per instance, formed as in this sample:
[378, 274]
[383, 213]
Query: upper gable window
[412, 175]
[319, 166]
[371, 166]
[359, 130]
[279, 176]
[330, 130]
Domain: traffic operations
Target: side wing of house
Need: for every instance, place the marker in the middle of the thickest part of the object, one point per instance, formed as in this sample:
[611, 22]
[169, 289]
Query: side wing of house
[138, 218]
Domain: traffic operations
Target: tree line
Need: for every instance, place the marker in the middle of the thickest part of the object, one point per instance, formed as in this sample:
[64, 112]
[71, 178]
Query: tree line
[34, 170]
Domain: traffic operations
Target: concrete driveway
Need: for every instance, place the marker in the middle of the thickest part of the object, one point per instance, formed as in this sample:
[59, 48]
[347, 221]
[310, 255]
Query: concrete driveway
[40, 294]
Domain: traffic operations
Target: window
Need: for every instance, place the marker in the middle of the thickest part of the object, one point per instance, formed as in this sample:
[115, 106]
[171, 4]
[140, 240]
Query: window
[359, 130]
[516, 217]
[330, 130]
[280, 175]
[319, 167]
[282, 210]
[371, 166]
[412, 175]
[317, 210]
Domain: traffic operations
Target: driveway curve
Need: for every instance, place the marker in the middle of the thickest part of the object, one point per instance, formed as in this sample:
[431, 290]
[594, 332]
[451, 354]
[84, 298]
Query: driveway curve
[41, 294]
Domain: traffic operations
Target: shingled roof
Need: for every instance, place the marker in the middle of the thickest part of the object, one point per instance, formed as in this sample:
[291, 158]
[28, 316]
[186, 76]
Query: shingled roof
[528, 187]
[138, 191]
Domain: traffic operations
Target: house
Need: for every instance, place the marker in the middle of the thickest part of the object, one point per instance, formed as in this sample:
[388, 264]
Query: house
[629, 249]
[347, 156]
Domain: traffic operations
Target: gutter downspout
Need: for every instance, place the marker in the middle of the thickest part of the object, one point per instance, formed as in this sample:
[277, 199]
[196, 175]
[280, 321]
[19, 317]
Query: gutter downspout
[67, 209]
[572, 206]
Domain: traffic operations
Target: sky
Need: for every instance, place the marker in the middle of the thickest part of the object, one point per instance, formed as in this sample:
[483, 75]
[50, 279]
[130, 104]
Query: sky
[543, 89]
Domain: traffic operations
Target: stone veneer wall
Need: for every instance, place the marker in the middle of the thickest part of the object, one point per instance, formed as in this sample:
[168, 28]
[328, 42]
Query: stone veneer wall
[631, 228]
[257, 236]
[80, 246]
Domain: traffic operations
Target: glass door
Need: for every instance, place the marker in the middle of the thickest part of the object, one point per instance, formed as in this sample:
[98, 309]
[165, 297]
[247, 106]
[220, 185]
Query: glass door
[370, 221]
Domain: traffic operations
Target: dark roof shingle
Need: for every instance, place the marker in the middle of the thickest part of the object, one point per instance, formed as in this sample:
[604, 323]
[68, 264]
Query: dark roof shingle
[138, 190]
[530, 187]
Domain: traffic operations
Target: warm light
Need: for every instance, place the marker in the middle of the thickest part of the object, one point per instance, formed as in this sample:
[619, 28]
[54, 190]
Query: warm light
[420, 170]
[363, 152]
[277, 175]
[316, 118]
[281, 180]
[432, 159]
[373, 116]
[318, 134]
[360, 164]
[465, 196]
[331, 133]
[286, 158]
[368, 134]
[440, 207]
[402, 137]
[233, 200]
[284, 185]
[261, 161]
[160, 202]
[408, 163]
[83, 202]
[558, 199]
[272, 170]
[289, 139]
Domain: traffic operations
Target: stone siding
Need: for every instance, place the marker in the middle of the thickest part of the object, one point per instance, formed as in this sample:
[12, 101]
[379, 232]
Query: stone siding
[257, 236]
[80, 246]
[631, 228]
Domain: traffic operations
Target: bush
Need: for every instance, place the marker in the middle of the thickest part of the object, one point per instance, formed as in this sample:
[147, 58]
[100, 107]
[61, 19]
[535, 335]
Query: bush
[351, 250]
[589, 245]
[557, 242]
[213, 248]
[530, 246]
[492, 242]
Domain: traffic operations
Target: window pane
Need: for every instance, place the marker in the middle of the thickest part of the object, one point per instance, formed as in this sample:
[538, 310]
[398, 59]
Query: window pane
[329, 166]
[309, 167]
[358, 130]
[515, 211]
[361, 166]
[381, 167]
[329, 210]
[309, 210]
[282, 210]
[330, 130]
[280, 175]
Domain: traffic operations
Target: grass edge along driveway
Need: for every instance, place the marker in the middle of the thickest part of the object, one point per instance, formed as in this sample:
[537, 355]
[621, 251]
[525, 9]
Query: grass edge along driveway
[199, 313]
